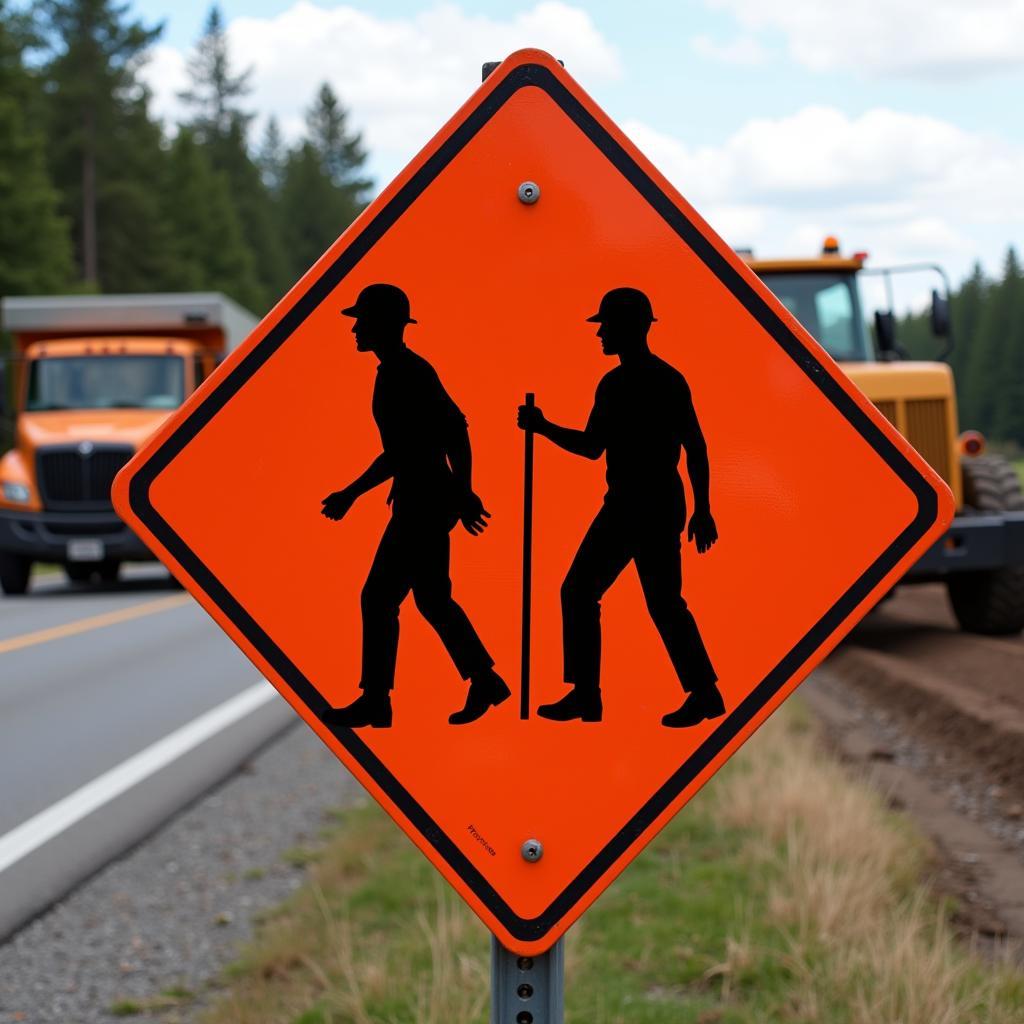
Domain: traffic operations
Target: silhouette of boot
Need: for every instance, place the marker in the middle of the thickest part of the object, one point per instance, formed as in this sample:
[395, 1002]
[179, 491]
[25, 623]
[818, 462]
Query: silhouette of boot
[698, 707]
[575, 704]
[486, 690]
[368, 709]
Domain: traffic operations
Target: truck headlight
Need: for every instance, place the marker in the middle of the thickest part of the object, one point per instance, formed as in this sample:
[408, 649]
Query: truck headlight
[16, 493]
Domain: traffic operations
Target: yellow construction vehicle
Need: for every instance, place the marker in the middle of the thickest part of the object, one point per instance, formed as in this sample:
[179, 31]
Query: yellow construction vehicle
[981, 558]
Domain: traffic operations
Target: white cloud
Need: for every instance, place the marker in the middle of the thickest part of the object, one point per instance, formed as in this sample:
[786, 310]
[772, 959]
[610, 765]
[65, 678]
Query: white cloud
[925, 38]
[743, 51]
[402, 78]
[903, 186]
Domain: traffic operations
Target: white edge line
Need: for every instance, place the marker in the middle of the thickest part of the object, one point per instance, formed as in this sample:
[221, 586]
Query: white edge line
[58, 817]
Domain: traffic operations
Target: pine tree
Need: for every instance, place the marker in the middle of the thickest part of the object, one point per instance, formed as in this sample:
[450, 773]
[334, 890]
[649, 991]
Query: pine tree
[104, 146]
[312, 211]
[221, 125]
[257, 215]
[1005, 319]
[210, 251]
[272, 157]
[323, 188]
[341, 151]
[136, 250]
[35, 246]
[215, 91]
[966, 310]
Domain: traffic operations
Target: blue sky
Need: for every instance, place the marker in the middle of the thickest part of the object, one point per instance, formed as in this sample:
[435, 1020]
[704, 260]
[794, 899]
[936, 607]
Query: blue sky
[887, 121]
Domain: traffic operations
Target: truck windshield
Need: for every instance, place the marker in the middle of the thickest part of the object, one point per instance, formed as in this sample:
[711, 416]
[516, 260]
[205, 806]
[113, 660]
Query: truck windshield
[105, 382]
[828, 307]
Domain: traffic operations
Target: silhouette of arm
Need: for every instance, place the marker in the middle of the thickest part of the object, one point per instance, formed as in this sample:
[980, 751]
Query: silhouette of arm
[460, 456]
[697, 466]
[472, 513]
[337, 504]
[378, 471]
[702, 529]
[588, 442]
[579, 442]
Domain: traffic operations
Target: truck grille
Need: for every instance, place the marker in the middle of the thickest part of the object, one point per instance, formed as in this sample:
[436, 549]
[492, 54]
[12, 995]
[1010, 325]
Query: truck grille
[79, 476]
[928, 433]
[887, 408]
[922, 421]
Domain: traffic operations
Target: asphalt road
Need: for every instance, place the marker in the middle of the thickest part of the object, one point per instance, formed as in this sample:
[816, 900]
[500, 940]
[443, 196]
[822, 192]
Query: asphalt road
[94, 679]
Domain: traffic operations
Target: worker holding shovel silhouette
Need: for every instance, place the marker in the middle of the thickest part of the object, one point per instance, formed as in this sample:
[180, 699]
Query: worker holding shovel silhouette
[642, 419]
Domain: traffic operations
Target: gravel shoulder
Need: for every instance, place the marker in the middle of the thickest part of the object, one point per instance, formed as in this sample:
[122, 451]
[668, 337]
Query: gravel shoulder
[146, 936]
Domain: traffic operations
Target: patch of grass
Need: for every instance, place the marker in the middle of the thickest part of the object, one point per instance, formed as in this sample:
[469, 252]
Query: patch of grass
[253, 874]
[126, 1008]
[168, 999]
[300, 856]
[178, 993]
[784, 894]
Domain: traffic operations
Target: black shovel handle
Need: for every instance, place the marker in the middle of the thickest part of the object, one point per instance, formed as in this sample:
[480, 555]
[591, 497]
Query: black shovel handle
[524, 672]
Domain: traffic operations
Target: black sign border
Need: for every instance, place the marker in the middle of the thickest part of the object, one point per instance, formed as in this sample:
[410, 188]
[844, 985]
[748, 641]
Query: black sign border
[540, 77]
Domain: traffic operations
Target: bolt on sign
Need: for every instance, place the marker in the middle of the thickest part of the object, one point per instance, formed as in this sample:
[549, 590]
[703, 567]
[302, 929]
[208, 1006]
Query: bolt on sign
[532, 500]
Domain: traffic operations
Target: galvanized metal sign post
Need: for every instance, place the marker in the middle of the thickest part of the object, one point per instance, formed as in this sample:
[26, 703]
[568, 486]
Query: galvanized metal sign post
[527, 989]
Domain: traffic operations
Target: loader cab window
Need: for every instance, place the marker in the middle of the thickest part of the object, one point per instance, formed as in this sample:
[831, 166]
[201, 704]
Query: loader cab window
[105, 382]
[828, 306]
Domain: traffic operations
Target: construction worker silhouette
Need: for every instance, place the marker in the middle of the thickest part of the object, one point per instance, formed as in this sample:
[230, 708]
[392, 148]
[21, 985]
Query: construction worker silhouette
[427, 457]
[642, 416]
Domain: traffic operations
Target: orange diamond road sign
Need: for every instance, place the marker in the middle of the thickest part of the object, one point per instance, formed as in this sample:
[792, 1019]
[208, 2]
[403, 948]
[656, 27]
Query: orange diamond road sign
[604, 590]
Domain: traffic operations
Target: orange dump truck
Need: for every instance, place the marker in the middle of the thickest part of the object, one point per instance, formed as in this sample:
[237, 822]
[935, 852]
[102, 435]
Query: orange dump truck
[90, 379]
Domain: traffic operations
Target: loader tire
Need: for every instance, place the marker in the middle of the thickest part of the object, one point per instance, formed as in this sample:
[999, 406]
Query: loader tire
[990, 602]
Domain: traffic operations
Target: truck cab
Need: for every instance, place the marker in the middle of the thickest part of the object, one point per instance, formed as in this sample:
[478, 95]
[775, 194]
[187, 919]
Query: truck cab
[92, 378]
[981, 558]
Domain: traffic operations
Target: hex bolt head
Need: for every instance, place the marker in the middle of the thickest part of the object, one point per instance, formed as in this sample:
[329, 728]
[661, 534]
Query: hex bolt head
[529, 192]
[532, 850]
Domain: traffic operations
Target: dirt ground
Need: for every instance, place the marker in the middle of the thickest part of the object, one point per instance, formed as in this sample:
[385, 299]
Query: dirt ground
[936, 718]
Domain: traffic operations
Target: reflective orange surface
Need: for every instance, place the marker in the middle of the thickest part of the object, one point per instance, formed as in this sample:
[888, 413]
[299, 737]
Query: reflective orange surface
[500, 291]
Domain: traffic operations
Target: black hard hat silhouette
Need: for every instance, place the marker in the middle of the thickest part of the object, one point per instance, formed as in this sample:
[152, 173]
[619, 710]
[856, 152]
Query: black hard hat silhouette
[624, 305]
[382, 302]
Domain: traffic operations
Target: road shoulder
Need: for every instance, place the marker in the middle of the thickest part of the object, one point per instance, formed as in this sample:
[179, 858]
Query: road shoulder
[165, 918]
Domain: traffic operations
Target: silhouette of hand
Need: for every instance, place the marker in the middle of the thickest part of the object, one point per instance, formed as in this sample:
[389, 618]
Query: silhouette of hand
[702, 530]
[337, 504]
[473, 514]
[530, 418]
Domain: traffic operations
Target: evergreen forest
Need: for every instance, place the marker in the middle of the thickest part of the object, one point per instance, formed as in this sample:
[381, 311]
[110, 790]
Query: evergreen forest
[96, 195]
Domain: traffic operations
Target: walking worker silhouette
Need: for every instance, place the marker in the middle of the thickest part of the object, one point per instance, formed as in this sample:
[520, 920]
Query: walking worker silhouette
[428, 458]
[643, 415]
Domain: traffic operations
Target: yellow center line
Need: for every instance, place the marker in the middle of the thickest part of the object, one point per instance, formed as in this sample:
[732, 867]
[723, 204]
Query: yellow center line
[135, 611]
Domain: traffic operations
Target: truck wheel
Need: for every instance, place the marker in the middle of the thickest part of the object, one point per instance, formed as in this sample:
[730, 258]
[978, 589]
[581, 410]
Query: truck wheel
[110, 570]
[990, 602]
[79, 572]
[14, 573]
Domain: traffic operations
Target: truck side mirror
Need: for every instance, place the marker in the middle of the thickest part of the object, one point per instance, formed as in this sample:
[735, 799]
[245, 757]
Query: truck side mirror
[940, 315]
[885, 336]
